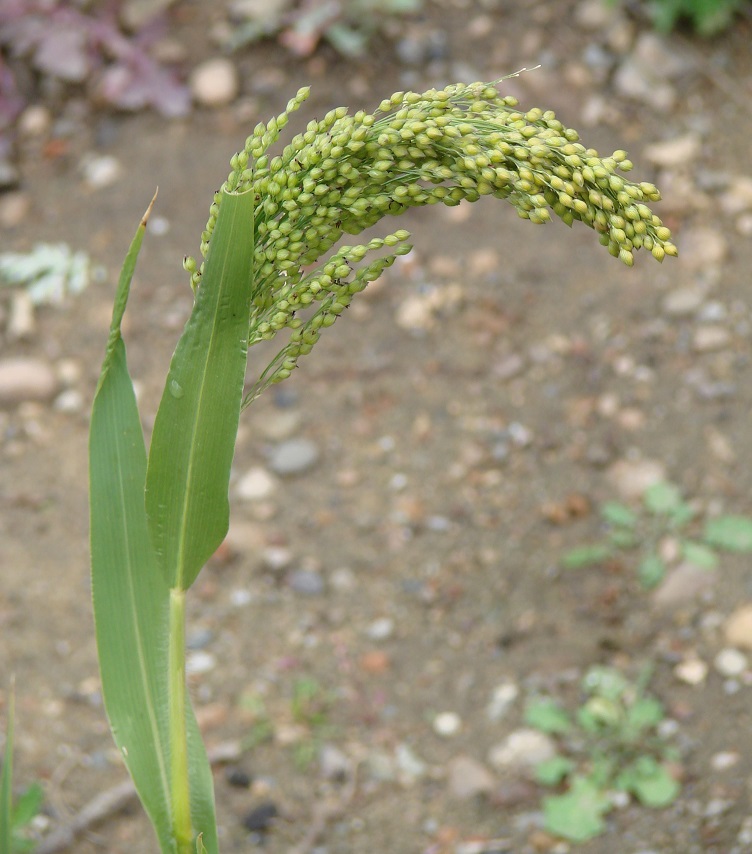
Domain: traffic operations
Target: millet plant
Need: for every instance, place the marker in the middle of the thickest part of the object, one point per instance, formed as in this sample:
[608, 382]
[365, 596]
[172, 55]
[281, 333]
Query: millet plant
[271, 265]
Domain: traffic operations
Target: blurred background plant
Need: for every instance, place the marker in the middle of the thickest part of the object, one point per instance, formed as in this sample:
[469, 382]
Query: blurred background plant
[104, 48]
[301, 25]
[705, 17]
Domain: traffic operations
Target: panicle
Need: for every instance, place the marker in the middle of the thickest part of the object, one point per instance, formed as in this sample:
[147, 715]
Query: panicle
[345, 172]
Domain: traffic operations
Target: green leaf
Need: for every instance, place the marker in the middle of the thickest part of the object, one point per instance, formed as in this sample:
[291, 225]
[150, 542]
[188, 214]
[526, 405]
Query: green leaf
[584, 556]
[547, 716]
[129, 593]
[605, 682]
[699, 555]
[6, 780]
[651, 571]
[623, 538]
[650, 782]
[554, 770]
[577, 815]
[662, 498]
[28, 805]
[196, 425]
[645, 713]
[732, 533]
[615, 513]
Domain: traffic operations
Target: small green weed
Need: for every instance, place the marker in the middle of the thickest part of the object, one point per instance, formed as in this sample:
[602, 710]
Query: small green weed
[25, 810]
[611, 744]
[310, 706]
[663, 517]
[705, 17]
[300, 27]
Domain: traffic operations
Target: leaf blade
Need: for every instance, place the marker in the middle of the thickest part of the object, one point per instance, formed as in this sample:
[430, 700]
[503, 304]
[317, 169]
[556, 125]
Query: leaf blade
[128, 592]
[196, 425]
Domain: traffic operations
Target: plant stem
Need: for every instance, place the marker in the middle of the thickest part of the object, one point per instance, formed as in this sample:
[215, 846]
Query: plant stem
[181, 802]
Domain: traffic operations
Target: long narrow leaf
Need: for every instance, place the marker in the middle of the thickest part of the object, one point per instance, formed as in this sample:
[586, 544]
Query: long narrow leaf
[6, 782]
[195, 429]
[129, 593]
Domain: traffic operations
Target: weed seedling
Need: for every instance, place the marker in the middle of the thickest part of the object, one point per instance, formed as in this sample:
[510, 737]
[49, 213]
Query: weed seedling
[664, 527]
[611, 744]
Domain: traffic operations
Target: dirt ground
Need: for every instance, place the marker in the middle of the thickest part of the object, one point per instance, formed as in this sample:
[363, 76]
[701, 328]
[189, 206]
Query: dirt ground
[466, 419]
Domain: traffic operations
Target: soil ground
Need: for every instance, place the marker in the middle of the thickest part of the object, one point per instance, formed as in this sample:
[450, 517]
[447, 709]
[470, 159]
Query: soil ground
[456, 464]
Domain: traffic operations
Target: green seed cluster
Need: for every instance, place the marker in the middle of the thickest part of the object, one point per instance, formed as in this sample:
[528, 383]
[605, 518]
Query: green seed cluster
[346, 172]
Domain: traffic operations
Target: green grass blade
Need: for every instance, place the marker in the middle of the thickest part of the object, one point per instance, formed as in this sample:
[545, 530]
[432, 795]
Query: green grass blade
[195, 429]
[129, 593]
[6, 781]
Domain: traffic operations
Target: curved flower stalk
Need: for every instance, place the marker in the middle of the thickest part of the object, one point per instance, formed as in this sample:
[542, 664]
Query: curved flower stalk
[346, 172]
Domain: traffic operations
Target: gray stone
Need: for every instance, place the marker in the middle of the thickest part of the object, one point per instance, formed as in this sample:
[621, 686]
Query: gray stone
[632, 477]
[683, 584]
[522, 748]
[294, 456]
[307, 582]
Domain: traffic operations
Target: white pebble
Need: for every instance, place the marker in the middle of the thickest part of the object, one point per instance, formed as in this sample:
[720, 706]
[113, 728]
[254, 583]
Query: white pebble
[522, 748]
[240, 597]
[255, 485]
[447, 724]
[215, 83]
[502, 698]
[730, 662]
[693, 671]
[70, 401]
[381, 629]
[199, 662]
[724, 759]
[101, 171]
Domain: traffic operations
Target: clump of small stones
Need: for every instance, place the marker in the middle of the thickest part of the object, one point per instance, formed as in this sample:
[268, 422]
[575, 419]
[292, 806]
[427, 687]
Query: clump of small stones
[346, 172]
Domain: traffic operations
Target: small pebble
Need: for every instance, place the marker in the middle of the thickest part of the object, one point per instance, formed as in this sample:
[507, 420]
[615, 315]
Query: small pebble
[673, 152]
[381, 629]
[334, 763]
[14, 208]
[447, 724]
[522, 748]
[21, 319]
[502, 699]
[261, 818]
[692, 671]
[69, 401]
[25, 379]
[199, 662]
[215, 82]
[294, 456]
[255, 485]
[709, 338]
[241, 597]
[35, 121]
[307, 582]
[276, 558]
[723, 760]
[101, 170]
[411, 767]
[702, 248]
[738, 628]
[467, 778]
[631, 478]
[683, 301]
[730, 662]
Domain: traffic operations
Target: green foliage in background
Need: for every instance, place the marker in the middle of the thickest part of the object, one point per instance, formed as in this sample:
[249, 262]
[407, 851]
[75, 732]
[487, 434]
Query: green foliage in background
[706, 17]
[612, 743]
[664, 516]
